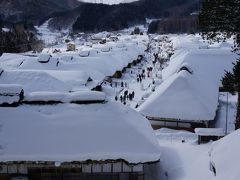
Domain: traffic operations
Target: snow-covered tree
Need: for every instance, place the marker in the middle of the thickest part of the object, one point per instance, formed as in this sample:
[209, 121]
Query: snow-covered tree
[219, 19]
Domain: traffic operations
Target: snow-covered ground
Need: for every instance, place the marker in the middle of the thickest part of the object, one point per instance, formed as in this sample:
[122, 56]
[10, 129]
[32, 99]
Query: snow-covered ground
[188, 161]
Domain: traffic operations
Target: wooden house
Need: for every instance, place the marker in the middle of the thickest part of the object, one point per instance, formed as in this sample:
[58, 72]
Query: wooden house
[71, 141]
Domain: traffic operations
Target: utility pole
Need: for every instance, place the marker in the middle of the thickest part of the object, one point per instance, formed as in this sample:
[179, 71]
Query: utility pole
[226, 116]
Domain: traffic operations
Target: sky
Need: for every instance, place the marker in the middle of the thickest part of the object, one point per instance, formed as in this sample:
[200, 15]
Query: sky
[108, 1]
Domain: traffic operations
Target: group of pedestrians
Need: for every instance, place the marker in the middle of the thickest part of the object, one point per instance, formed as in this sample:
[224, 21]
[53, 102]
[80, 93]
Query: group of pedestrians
[125, 97]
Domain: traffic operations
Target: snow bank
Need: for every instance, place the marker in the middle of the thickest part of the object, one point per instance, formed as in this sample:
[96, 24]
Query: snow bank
[80, 96]
[71, 132]
[209, 131]
[10, 94]
[166, 134]
[225, 157]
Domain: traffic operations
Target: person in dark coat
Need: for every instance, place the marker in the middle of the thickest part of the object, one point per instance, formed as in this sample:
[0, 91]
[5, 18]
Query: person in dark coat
[133, 94]
[130, 97]
[116, 98]
[121, 98]
[124, 98]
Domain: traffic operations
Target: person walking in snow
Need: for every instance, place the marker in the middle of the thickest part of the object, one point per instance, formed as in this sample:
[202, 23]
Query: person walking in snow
[116, 98]
[130, 97]
[133, 94]
[124, 98]
[125, 93]
[121, 98]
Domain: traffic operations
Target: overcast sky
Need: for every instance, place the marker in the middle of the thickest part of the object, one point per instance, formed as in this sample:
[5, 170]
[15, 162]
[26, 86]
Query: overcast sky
[108, 1]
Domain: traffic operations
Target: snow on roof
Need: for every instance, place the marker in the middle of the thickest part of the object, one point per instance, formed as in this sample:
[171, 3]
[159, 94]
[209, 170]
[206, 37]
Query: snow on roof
[218, 45]
[71, 132]
[34, 81]
[72, 78]
[180, 97]
[44, 58]
[209, 131]
[65, 97]
[68, 71]
[225, 157]
[84, 53]
[10, 89]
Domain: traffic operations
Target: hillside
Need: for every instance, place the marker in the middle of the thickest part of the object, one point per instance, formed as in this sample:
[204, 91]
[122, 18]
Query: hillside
[90, 17]
[101, 17]
[32, 11]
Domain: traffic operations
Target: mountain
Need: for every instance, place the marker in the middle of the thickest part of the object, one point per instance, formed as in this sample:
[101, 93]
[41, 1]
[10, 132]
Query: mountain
[33, 11]
[92, 17]
[101, 17]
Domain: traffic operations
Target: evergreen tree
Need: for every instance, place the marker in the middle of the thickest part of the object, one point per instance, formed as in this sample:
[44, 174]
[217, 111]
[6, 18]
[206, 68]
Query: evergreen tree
[231, 83]
[219, 19]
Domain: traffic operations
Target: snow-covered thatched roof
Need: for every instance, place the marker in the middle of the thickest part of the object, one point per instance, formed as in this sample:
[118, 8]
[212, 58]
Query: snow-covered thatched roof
[190, 87]
[179, 97]
[66, 71]
[71, 132]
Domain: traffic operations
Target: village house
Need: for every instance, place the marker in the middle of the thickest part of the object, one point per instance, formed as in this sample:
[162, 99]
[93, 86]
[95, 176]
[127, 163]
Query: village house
[71, 46]
[72, 141]
[188, 97]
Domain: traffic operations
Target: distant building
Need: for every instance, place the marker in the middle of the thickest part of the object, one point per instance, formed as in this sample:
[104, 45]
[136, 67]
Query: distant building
[207, 134]
[71, 46]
